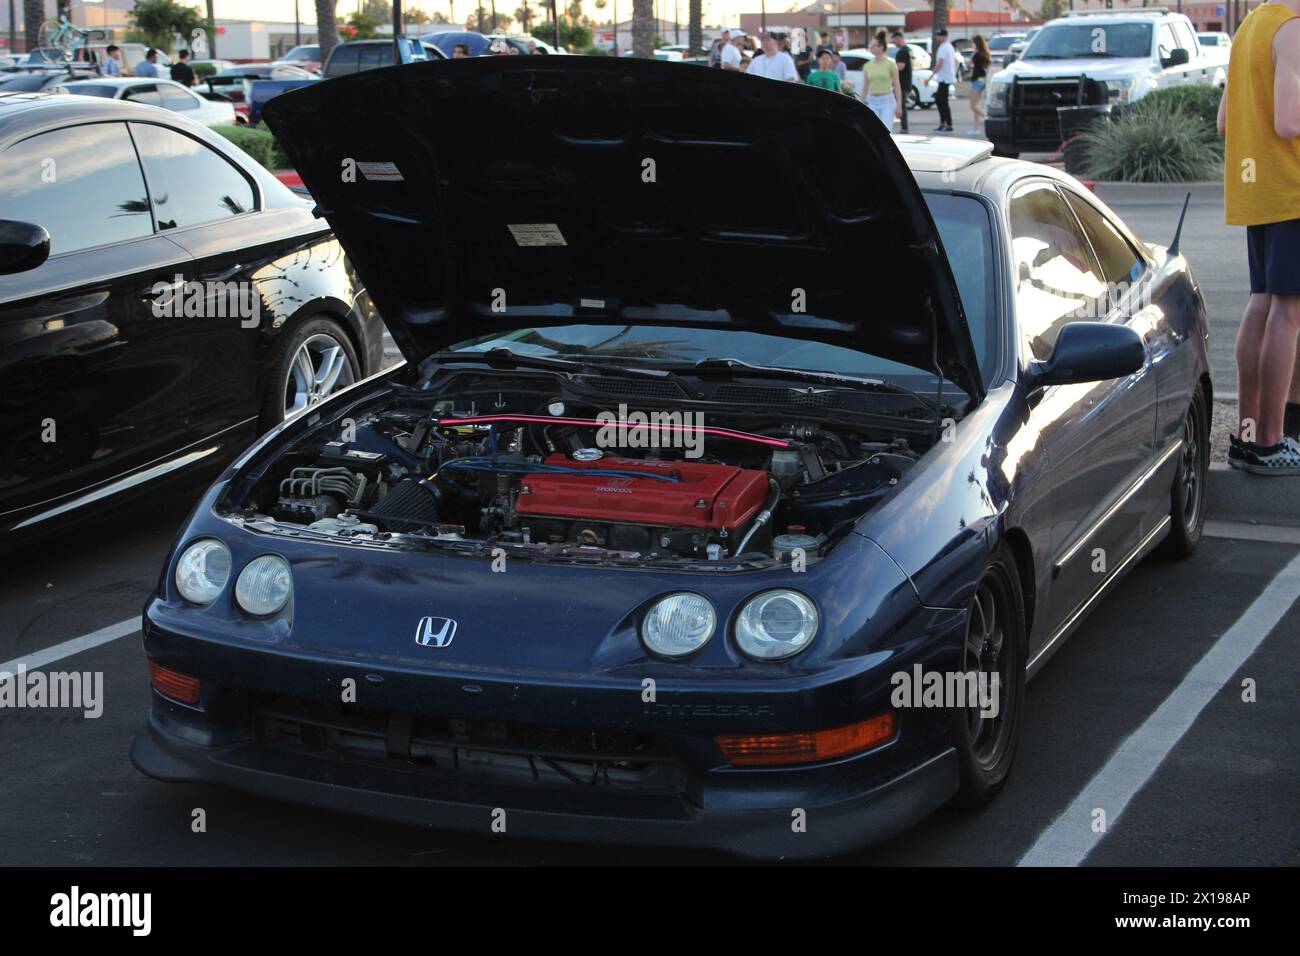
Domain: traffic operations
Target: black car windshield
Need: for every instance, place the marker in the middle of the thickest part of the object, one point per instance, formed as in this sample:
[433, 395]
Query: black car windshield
[964, 229]
[1070, 40]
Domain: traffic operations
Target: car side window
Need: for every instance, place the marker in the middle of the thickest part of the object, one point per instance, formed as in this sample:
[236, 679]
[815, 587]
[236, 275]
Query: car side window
[190, 183]
[1057, 280]
[178, 99]
[147, 94]
[1165, 39]
[375, 55]
[1183, 36]
[344, 60]
[82, 183]
[1120, 264]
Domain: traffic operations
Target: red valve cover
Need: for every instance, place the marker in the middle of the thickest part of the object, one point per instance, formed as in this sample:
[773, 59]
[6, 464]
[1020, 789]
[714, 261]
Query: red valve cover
[706, 496]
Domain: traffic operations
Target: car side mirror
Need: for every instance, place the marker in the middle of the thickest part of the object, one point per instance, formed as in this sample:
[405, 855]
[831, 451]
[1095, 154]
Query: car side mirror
[23, 246]
[1177, 57]
[1090, 352]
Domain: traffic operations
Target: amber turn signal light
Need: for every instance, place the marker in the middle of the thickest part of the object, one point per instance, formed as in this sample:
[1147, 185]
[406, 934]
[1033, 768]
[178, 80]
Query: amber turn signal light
[770, 750]
[179, 687]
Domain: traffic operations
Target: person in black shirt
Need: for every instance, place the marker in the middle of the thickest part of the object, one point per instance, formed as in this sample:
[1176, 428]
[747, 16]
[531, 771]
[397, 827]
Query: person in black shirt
[979, 69]
[182, 72]
[903, 57]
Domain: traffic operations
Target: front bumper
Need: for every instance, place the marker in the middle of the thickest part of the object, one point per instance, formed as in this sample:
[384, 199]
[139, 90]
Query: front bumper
[410, 797]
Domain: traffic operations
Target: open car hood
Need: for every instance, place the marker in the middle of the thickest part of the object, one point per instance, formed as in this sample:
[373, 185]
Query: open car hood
[480, 196]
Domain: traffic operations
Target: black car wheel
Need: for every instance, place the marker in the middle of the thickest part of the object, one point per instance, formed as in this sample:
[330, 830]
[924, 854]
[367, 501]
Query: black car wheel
[310, 363]
[995, 643]
[913, 99]
[1187, 496]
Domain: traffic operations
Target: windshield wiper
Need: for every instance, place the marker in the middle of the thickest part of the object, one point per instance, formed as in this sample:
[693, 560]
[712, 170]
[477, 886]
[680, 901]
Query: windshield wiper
[738, 368]
[505, 358]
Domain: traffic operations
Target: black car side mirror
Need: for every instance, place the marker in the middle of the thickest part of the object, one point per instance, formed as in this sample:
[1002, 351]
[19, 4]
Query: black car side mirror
[1090, 352]
[1178, 56]
[23, 246]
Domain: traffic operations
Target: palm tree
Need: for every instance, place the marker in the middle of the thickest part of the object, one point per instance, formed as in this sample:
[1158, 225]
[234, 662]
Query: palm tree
[327, 28]
[695, 38]
[940, 22]
[643, 28]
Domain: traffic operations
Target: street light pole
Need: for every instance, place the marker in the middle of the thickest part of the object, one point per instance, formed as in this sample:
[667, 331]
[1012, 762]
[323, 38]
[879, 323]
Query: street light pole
[297, 25]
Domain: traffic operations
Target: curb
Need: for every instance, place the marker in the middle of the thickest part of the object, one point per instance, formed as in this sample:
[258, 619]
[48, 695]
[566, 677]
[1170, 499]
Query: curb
[1159, 191]
[1232, 495]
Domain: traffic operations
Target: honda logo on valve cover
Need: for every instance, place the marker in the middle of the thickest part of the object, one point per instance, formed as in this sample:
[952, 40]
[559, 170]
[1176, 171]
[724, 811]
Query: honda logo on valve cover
[435, 631]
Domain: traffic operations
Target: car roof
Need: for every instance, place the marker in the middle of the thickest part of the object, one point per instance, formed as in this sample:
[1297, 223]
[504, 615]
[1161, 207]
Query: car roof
[120, 80]
[929, 154]
[23, 113]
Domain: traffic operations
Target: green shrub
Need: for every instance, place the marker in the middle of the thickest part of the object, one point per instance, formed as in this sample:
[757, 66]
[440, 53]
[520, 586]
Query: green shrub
[204, 70]
[1158, 140]
[1200, 101]
[259, 143]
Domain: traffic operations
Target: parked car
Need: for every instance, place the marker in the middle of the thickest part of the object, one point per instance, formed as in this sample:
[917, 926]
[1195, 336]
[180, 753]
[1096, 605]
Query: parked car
[684, 644]
[1000, 46]
[39, 80]
[1217, 47]
[361, 55]
[446, 41]
[1098, 59]
[132, 54]
[920, 96]
[210, 67]
[521, 43]
[235, 85]
[306, 57]
[123, 356]
[1017, 49]
[168, 94]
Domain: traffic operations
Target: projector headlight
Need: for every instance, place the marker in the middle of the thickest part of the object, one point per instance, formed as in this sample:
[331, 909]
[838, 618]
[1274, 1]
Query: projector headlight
[678, 625]
[202, 571]
[775, 625]
[264, 585]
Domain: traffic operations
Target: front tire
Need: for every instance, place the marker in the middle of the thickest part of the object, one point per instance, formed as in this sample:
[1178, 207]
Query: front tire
[996, 643]
[310, 362]
[913, 99]
[1187, 496]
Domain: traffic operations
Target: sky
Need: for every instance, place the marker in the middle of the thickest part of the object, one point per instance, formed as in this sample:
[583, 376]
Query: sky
[714, 10]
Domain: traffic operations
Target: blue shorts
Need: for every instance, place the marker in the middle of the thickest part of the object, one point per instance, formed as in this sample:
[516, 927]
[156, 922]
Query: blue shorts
[977, 86]
[1273, 250]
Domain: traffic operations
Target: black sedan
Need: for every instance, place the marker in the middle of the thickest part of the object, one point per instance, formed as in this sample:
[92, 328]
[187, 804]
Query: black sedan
[690, 522]
[165, 300]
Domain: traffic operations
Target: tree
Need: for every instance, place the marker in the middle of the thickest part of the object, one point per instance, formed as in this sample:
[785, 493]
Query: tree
[1052, 9]
[940, 22]
[643, 28]
[695, 35]
[380, 10]
[573, 36]
[157, 21]
[327, 27]
[364, 26]
[525, 16]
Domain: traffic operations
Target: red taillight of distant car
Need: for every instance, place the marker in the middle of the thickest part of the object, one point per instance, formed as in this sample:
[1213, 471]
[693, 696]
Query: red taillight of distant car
[173, 684]
[770, 750]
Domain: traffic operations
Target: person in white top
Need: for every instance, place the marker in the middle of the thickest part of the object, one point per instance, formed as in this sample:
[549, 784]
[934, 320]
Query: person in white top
[729, 54]
[775, 64]
[945, 74]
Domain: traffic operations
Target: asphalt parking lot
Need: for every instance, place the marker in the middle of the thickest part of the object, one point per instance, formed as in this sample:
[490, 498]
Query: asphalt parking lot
[1225, 792]
[1171, 712]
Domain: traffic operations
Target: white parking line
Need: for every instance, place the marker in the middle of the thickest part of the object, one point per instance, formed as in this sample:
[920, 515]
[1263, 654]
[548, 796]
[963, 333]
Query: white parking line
[1070, 837]
[48, 656]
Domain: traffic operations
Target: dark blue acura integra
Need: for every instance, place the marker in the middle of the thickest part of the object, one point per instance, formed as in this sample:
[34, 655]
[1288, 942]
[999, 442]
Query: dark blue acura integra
[721, 432]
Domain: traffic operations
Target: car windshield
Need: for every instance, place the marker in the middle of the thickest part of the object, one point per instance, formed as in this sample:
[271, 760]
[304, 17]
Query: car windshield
[303, 53]
[92, 89]
[1003, 43]
[964, 229]
[1071, 40]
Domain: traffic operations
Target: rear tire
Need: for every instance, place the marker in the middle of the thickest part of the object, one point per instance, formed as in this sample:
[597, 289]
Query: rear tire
[1187, 495]
[996, 642]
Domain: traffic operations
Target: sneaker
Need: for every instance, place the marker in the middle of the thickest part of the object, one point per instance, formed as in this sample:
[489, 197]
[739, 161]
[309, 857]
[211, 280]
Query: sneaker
[1291, 423]
[1238, 454]
[1280, 459]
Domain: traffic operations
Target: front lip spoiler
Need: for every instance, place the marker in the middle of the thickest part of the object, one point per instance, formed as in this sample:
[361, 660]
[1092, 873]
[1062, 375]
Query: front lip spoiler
[406, 798]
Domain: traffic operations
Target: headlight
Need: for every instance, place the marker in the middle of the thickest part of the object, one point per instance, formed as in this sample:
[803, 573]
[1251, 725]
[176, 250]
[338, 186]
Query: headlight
[1120, 90]
[264, 585]
[203, 570]
[678, 624]
[997, 96]
[775, 625]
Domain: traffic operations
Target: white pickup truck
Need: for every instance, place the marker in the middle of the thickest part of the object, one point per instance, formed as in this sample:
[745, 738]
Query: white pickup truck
[1089, 59]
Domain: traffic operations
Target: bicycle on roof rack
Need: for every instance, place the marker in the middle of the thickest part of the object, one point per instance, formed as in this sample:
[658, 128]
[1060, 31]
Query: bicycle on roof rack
[65, 39]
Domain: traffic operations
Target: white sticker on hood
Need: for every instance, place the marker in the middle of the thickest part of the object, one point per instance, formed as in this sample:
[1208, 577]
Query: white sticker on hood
[380, 172]
[537, 234]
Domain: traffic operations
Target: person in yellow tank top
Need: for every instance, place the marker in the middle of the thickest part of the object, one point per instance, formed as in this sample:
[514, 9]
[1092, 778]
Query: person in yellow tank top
[1259, 115]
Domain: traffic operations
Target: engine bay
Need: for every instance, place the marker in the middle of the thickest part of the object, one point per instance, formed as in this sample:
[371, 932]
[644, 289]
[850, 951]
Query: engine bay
[548, 476]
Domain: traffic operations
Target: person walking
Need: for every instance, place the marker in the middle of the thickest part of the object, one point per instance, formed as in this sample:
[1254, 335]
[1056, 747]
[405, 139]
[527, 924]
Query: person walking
[729, 53]
[181, 70]
[824, 76]
[880, 82]
[903, 57]
[113, 60]
[773, 63]
[1259, 115]
[979, 68]
[945, 75]
[149, 65]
